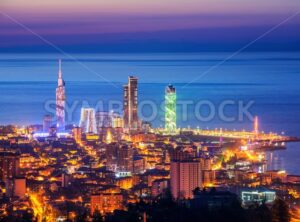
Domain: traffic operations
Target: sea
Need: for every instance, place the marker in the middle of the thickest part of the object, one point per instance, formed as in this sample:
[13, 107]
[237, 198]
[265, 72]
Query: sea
[213, 89]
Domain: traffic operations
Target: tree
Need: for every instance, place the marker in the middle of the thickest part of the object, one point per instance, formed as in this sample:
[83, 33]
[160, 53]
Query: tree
[27, 217]
[280, 211]
[81, 217]
[97, 217]
[263, 213]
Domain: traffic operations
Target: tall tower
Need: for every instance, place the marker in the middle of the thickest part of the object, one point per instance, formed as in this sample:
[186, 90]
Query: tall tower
[130, 104]
[60, 101]
[88, 120]
[170, 109]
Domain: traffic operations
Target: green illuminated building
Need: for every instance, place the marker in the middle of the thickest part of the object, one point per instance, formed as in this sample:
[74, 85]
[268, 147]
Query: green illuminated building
[170, 109]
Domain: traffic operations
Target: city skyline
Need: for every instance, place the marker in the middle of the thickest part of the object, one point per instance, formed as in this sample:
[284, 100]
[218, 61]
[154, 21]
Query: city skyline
[163, 111]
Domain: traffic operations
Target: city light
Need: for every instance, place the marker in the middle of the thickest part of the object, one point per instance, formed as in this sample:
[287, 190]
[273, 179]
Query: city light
[161, 111]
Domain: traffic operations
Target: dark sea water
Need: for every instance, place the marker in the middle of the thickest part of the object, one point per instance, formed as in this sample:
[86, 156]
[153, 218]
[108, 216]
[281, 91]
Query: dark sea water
[269, 80]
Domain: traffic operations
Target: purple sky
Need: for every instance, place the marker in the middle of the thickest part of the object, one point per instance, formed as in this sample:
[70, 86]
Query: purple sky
[157, 25]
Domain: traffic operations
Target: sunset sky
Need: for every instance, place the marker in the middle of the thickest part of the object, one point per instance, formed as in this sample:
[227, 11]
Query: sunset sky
[139, 25]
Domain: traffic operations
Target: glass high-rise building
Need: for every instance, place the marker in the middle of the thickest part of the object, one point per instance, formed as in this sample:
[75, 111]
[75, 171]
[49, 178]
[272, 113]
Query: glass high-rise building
[130, 104]
[170, 109]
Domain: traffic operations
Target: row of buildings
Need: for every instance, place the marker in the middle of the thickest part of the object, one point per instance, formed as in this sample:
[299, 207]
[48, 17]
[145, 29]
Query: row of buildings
[91, 120]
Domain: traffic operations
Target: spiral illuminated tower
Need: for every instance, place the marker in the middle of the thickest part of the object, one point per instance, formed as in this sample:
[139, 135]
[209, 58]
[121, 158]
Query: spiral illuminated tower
[60, 101]
[170, 109]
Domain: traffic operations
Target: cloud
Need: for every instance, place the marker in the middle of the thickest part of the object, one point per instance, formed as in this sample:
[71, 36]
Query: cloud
[143, 32]
[151, 7]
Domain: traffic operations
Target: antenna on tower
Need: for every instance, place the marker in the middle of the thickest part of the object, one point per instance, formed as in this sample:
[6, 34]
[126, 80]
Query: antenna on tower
[59, 69]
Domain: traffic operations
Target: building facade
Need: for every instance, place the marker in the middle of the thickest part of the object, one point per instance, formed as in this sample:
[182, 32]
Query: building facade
[9, 165]
[117, 121]
[119, 158]
[125, 158]
[19, 187]
[257, 196]
[107, 201]
[88, 120]
[47, 123]
[103, 119]
[185, 177]
[77, 134]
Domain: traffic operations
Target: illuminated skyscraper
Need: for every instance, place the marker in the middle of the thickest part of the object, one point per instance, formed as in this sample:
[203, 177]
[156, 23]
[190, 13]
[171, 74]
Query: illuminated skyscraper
[130, 104]
[88, 120]
[170, 109]
[60, 101]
